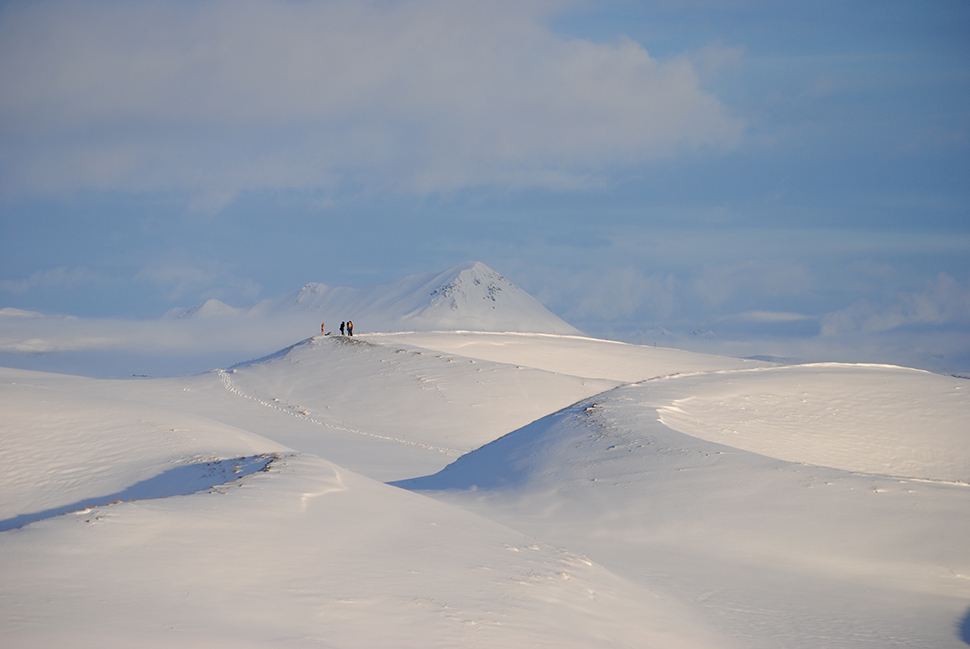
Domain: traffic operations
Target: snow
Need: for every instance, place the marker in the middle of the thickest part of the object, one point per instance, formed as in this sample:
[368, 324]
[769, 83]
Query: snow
[574, 355]
[549, 490]
[71, 443]
[402, 394]
[468, 296]
[304, 553]
[781, 553]
[308, 555]
[863, 418]
[208, 309]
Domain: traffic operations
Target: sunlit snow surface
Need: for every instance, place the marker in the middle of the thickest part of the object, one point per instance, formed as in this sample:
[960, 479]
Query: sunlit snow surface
[577, 493]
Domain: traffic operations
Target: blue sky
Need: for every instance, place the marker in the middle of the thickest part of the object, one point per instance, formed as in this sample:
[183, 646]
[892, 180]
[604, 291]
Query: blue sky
[786, 174]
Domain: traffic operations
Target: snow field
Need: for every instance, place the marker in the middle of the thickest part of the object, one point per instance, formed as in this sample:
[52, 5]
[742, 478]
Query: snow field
[867, 418]
[781, 552]
[572, 355]
[589, 524]
[67, 443]
[309, 554]
[448, 403]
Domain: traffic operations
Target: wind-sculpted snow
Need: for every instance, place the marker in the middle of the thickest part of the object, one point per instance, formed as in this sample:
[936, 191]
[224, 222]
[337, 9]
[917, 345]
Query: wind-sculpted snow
[305, 414]
[303, 554]
[66, 442]
[571, 355]
[787, 518]
[869, 418]
[803, 547]
[381, 388]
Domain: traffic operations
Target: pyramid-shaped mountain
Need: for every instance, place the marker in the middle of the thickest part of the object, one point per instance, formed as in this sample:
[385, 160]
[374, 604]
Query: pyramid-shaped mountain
[467, 297]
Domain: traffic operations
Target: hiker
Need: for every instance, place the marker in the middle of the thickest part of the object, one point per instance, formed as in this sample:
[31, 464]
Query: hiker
[322, 327]
[350, 328]
[341, 328]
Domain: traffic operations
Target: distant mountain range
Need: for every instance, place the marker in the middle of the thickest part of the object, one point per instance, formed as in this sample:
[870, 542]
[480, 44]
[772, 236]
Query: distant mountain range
[467, 297]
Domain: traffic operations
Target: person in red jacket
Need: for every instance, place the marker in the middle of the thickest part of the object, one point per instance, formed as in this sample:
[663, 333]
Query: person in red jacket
[350, 328]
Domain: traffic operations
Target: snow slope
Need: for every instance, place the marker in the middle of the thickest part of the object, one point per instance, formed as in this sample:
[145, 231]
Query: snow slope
[445, 403]
[864, 418]
[564, 512]
[303, 554]
[780, 553]
[63, 450]
[573, 355]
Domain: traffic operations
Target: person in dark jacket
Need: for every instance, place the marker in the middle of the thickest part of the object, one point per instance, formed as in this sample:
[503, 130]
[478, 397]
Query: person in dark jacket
[341, 328]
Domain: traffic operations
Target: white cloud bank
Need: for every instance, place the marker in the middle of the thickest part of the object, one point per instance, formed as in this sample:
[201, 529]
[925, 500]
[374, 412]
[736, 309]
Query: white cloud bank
[944, 302]
[54, 277]
[215, 97]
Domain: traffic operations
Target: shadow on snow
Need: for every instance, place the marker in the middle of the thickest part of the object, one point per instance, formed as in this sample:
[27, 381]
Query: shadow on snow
[180, 481]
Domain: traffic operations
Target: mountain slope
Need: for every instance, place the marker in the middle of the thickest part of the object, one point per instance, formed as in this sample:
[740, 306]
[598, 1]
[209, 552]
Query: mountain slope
[470, 297]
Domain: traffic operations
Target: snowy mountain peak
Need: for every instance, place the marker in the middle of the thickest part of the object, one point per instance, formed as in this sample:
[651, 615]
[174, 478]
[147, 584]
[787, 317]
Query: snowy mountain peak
[474, 297]
[469, 297]
[207, 309]
[473, 282]
[310, 293]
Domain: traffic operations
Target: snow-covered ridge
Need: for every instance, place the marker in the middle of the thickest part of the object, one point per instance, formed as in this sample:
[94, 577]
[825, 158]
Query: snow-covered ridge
[467, 297]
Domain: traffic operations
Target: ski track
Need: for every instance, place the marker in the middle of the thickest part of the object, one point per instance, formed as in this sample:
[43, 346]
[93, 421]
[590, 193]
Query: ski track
[228, 384]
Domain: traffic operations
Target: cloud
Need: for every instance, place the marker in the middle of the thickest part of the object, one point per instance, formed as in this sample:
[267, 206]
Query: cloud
[606, 295]
[210, 279]
[215, 97]
[27, 332]
[944, 302]
[54, 277]
[764, 317]
[10, 312]
[45, 334]
[718, 285]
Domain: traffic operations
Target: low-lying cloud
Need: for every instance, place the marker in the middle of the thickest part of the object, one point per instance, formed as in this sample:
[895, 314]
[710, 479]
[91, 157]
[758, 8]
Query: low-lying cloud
[215, 97]
[944, 302]
[55, 277]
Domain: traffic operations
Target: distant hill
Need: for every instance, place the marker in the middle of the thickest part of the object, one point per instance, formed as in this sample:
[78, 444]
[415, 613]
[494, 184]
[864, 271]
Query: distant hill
[208, 309]
[467, 297]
